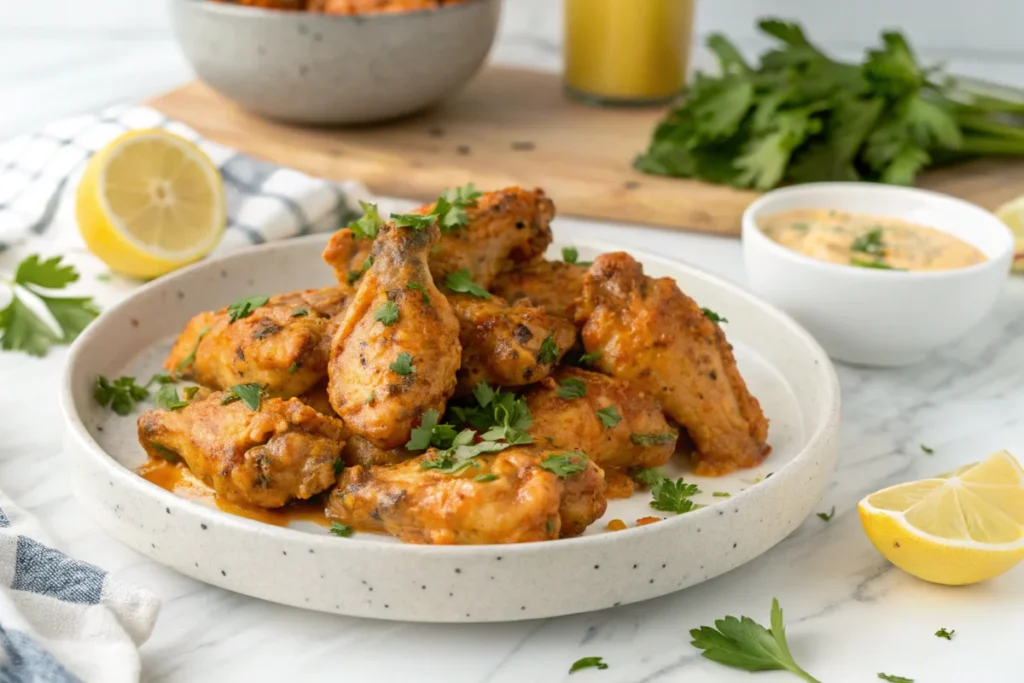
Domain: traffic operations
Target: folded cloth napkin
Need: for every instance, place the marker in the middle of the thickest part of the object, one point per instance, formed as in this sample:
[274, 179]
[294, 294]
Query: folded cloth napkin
[39, 171]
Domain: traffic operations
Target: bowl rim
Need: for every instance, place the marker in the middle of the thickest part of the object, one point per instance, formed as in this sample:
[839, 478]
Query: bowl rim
[232, 9]
[752, 233]
[79, 437]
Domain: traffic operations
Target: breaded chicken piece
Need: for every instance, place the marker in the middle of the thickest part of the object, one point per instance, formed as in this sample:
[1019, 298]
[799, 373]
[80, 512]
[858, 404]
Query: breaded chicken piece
[396, 349]
[263, 457]
[552, 285]
[524, 502]
[504, 227]
[357, 450]
[507, 345]
[281, 345]
[652, 334]
[641, 437]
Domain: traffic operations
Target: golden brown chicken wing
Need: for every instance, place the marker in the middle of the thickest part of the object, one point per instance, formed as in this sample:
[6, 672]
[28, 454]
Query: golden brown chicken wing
[552, 285]
[615, 422]
[281, 345]
[508, 497]
[396, 349]
[507, 345]
[357, 450]
[263, 457]
[652, 334]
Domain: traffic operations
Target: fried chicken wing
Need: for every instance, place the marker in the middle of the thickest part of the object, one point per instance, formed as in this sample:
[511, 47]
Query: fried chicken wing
[507, 345]
[523, 502]
[281, 345]
[641, 437]
[396, 350]
[357, 450]
[552, 285]
[263, 457]
[652, 334]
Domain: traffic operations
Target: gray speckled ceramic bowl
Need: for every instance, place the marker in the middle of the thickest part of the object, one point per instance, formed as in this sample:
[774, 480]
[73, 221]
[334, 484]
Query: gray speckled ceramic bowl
[307, 67]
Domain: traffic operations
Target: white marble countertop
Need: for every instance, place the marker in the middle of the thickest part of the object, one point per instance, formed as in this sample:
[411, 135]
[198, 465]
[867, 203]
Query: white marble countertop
[849, 613]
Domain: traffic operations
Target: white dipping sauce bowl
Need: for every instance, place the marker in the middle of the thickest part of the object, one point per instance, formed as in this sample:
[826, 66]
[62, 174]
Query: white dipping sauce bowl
[875, 317]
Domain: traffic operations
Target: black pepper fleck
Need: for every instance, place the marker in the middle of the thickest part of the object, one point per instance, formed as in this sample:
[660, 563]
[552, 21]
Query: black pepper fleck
[223, 573]
[203, 527]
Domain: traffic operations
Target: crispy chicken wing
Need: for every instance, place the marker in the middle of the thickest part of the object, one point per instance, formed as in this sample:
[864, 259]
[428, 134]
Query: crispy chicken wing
[523, 502]
[642, 437]
[262, 457]
[552, 285]
[396, 350]
[357, 450]
[652, 334]
[507, 345]
[282, 345]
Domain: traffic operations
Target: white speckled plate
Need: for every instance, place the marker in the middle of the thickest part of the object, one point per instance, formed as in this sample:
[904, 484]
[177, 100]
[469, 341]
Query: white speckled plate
[374, 576]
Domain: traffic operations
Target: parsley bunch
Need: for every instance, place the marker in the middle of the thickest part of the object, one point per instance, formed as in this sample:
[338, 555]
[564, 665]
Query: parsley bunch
[22, 328]
[800, 116]
[498, 415]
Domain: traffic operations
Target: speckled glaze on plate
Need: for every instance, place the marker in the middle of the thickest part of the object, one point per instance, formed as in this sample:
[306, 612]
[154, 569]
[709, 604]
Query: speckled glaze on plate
[375, 576]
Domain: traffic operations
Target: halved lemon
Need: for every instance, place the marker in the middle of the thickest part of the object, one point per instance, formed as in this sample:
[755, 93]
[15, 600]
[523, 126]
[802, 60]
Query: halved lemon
[1012, 213]
[958, 528]
[150, 202]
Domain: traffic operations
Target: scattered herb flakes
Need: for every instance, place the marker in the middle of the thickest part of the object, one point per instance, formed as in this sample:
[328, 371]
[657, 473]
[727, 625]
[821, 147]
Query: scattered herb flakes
[571, 255]
[191, 357]
[927, 450]
[244, 307]
[548, 352]
[403, 364]
[609, 416]
[565, 464]
[827, 516]
[369, 225]
[189, 392]
[588, 663]
[417, 287]
[299, 312]
[722, 494]
[387, 314]
[654, 439]
[249, 394]
[343, 530]
[673, 496]
[895, 679]
[483, 478]
[120, 394]
[870, 243]
[354, 275]
[744, 644]
[589, 357]
[430, 433]
[167, 398]
[570, 388]
[943, 633]
[712, 316]
[460, 281]
[413, 220]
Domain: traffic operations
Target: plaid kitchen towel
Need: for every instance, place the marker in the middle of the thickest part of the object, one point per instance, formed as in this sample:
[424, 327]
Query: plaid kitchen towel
[62, 620]
[39, 172]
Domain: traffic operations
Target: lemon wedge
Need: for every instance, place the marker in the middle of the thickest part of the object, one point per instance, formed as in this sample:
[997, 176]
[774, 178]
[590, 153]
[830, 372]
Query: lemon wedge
[958, 528]
[1012, 213]
[150, 202]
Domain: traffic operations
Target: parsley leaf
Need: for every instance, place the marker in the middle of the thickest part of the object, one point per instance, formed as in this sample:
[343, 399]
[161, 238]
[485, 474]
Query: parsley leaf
[460, 454]
[483, 393]
[463, 196]
[354, 275]
[417, 287]
[498, 414]
[564, 464]
[609, 416]
[403, 364]
[571, 388]
[674, 496]
[571, 255]
[870, 242]
[293, 368]
[460, 281]
[589, 357]
[160, 378]
[343, 530]
[387, 314]
[484, 478]
[548, 352]
[927, 450]
[191, 357]
[722, 494]
[430, 433]
[588, 663]
[244, 307]
[120, 394]
[413, 220]
[895, 679]
[249, 394]
[943, 633]
[827, 516]
[24, 330]
[654, 439]
[647, 476]
[877, 265]
[712, 316]
[299, 312]
[48, 274]
[189, 392]
[744, 644]
[167, 398]
[369, 225]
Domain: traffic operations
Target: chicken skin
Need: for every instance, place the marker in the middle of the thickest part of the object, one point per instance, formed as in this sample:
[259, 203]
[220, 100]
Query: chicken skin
[263, 457]
[522, 502]
[552, 285]
[396, 350]
[357, 450]
[650, 333]
[281, 345]
[565, 415]
[507, 345]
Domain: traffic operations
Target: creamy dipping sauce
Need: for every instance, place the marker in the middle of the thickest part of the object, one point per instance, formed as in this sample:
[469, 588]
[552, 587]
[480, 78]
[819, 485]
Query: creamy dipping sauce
[857, 239]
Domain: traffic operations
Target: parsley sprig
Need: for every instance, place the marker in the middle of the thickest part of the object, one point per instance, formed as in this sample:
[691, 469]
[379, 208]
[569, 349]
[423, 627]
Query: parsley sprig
[570, 388]
[674, 496]
[244, 307]
[565, 464]
[430, 433]
[497, 415]
[460, 454]
[369, 225]
[450, 207]
[588, 663]
[120, 394]
[712, 316]
[249, 394]
[461, 281]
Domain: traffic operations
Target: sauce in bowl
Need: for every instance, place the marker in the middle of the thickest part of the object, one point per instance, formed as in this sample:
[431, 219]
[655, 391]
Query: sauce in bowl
[857, 239]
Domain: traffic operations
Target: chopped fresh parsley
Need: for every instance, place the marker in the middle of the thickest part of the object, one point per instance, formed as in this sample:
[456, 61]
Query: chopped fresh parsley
[570, 255]
[548, 352]
[483, 393]
[450, 207]
[189, 392]
[299, 312]
[722, 494]
[417, 287]
[927, 450]
[339, 465]
[827, 516]
[403, 364]
[674, 496]
[160, 378]
[343, 530]
[430, 433]
[589, 357]
[744, 644]
[588, 663]
[369, 225]
[895, 679]
[464, 196]
[120, 394]
[609, 416]
[244, 307]
[460, 454]
[483, 478]
[249, 394]
[387, 314]
[499, 415]
[712, 316]
[21, 328]
[460, 281]
[654, 439]
[294, 367]
[167, 398]
[565, 464]
[570, 388]
[870, 243]
[191, 357]
[354, 275]
[943, 633]
[647, 476]
[413, 220]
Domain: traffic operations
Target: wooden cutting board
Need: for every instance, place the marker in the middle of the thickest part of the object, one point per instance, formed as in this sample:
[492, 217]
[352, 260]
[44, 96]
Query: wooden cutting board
[515, 127]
